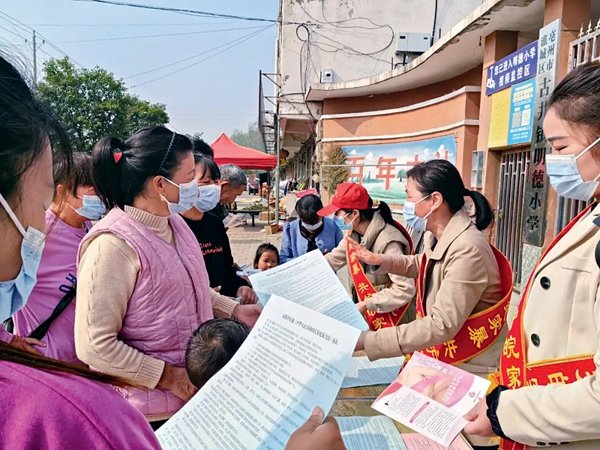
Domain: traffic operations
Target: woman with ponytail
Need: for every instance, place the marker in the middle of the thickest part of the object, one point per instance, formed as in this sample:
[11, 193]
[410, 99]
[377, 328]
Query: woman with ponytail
[459, 274]
[382, 298]
[463, 283]
[142, 283]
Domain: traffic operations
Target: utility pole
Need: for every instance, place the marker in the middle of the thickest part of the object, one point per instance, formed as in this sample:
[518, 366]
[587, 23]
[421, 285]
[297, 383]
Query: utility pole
[34, 47]
[34, 60]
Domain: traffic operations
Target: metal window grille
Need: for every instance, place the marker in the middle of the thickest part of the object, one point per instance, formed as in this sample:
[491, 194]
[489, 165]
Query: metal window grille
[509, 238]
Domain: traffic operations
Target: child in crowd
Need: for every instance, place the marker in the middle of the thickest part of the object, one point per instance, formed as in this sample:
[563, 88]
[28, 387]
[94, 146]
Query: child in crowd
[267, 257]
[211, 347]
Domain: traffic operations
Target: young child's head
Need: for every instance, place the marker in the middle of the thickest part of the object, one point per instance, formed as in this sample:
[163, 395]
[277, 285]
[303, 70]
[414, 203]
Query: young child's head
[211, 347]
[267, 257]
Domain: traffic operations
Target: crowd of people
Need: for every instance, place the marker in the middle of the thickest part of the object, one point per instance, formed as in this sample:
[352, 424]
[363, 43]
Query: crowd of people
[122, 296]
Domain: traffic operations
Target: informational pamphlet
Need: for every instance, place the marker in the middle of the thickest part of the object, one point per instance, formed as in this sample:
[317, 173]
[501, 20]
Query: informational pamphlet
[376, 432]
[431, 398]
[293, 360]
[309, 281]
[379, 432]
[363, 372]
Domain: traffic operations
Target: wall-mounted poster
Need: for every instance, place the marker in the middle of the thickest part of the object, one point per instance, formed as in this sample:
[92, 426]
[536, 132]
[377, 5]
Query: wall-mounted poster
[381, 168]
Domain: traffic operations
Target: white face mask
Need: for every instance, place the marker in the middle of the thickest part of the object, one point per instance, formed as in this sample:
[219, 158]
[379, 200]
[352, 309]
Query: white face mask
[314, 227]
[565, 176]
[188, 193]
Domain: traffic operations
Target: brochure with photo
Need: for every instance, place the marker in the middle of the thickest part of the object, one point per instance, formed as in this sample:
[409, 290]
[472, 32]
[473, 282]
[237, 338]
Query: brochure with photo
[431, 398]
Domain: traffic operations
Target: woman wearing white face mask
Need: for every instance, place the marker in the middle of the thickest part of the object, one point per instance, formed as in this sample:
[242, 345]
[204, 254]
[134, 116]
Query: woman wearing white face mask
[458, 276]
[50, 312]
[309, 232]
[212, 236]
[549, 389]
[142, 286]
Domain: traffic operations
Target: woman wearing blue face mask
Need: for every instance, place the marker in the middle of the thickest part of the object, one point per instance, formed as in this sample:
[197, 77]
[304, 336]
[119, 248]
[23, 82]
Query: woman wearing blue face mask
[142, 287]
[49, 314]
[46, 403]
[548, 371]
[309, 232]
[212, 236]
[386, 299]
[463, 283]
[458, 274]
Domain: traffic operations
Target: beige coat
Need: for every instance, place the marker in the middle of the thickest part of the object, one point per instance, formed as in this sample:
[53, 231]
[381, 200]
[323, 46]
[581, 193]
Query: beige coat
[563, 312]
[394, 291]
[462, 278]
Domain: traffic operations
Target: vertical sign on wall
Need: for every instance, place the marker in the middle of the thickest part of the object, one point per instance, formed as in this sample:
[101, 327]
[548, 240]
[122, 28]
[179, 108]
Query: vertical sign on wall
[536, 189]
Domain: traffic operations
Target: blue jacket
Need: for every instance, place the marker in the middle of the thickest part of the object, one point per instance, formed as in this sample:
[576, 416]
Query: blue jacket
[294, 244]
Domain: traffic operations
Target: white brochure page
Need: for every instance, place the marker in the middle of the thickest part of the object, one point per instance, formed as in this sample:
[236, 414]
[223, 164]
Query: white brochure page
[293, 360]
[309, 281]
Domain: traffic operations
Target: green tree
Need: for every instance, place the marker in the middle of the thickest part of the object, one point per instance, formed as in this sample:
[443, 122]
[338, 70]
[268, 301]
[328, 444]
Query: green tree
[250, 138]
[92, 103]
[334, 168]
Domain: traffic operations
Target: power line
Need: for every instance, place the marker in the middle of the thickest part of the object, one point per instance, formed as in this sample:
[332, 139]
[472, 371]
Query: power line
[235, 44]
[17, 23]
[204, 52]
[182, 10]
[128, 25]
[120, 38]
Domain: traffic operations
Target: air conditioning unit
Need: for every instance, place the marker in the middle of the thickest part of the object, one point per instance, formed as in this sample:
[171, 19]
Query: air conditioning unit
[326, 76]
[413, 43]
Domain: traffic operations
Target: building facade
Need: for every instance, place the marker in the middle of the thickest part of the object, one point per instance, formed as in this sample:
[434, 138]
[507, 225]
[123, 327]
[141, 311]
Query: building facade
[476, 97]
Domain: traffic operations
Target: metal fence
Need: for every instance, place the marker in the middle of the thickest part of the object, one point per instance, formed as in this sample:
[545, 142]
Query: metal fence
[509, 236]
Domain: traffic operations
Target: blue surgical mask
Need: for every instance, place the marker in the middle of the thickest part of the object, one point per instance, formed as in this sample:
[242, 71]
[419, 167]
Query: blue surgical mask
[208, 197]
[340, 222]
[188, 194]
[15, 293]
[92, 208]
[415, 222]
[565, 177]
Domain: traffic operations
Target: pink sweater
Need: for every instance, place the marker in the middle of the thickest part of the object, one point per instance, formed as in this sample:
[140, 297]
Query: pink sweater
[46, 410]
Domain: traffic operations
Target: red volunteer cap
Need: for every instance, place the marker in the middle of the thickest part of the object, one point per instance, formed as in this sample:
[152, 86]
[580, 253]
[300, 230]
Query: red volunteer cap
[347, 196]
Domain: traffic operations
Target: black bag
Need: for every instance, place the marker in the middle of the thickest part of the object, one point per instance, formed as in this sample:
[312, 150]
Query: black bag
[42, 329]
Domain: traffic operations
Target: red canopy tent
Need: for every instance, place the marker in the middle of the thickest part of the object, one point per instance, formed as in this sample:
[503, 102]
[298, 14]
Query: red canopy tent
[228, 152]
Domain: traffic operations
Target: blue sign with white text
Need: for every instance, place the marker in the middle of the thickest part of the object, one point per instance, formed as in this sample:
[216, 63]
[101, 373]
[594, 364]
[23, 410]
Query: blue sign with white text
[514, 68]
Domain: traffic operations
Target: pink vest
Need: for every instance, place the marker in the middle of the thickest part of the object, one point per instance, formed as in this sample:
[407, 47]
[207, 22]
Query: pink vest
[170, 300]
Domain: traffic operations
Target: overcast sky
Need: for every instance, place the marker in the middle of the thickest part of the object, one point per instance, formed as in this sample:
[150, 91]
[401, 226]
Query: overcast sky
[214, 96]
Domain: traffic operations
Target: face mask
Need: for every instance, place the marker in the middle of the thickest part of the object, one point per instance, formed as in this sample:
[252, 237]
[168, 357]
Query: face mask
[566, 179]
[92, 208]
[311, 228]
[339, 221]
[188, 194]
[14, 293]
[208, 197]
[415, 222]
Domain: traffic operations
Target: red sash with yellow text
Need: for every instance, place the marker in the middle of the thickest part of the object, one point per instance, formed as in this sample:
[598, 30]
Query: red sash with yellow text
[481, 329]
[365, 289]
[515, 372]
